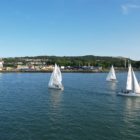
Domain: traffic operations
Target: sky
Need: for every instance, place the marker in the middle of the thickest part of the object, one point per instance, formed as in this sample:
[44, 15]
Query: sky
[70, 28]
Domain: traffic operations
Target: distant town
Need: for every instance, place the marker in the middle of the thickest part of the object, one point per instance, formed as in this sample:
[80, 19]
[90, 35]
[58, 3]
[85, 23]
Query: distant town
[67, 64]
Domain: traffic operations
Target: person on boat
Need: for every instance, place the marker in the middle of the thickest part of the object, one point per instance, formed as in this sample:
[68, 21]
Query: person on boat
[57, 86]
[125, 91]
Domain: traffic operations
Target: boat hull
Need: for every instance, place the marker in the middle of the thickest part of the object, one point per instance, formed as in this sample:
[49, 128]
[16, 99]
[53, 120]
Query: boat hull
[112, 80]
[132, 94]
[56, 88]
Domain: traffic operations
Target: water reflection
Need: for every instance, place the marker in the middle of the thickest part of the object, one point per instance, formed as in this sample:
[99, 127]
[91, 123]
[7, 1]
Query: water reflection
[55, 108]
[112, 85]
[131, 104]
[55, 97]
[1, 74]
[130, 110]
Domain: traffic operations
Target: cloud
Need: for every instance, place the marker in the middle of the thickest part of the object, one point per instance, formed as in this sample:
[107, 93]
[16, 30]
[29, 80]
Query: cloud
[126, 8]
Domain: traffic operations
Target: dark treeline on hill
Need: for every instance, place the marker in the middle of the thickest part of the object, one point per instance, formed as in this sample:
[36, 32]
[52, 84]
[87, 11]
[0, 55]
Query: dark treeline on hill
[88, 60]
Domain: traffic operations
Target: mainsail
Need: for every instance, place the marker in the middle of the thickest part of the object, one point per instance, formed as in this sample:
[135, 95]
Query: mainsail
[129, 79]
[136, 84]
[111, 75]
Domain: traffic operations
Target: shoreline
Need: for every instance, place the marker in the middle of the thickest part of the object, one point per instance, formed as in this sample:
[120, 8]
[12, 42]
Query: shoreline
[63, 71]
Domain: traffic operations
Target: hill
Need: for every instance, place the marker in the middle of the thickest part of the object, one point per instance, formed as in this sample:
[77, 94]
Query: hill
[87, 60]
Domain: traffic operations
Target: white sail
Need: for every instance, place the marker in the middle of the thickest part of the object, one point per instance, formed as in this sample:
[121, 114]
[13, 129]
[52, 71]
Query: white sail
[56, 79]
[136, 84]
[111, 75]
[129, 78]
[59, 75]
[52, 77]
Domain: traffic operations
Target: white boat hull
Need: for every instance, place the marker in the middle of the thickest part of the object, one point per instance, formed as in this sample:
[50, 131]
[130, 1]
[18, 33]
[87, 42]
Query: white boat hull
[128, 94]
[57, 88]
[112, 80]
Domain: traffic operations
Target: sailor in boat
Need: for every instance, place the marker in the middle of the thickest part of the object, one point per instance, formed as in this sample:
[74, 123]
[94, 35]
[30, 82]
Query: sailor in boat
[57, 86]
[125, 91]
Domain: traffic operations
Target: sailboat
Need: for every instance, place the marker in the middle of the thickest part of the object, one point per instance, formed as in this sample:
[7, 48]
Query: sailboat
[56, 79]
[111, 75]
[132, 85]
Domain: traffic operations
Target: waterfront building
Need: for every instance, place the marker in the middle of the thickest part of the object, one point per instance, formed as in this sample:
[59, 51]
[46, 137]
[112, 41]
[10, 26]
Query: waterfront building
[1, 65]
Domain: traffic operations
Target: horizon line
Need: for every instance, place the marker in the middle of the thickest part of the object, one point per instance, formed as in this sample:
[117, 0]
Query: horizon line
[70, 56]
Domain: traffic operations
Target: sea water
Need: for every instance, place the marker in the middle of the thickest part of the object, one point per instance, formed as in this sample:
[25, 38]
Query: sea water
[87, 109]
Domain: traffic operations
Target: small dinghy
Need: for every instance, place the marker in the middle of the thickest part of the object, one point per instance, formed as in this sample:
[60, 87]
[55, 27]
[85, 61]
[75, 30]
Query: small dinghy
[56, 79]
[111, 77]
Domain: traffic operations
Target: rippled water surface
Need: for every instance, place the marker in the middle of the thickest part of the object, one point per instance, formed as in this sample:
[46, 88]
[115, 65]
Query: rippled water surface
[88, 108]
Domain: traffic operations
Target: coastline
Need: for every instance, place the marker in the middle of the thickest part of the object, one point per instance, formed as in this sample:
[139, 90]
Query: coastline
[63, 71]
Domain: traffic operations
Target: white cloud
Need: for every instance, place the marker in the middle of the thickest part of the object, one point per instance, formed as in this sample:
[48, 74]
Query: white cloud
[126, 8]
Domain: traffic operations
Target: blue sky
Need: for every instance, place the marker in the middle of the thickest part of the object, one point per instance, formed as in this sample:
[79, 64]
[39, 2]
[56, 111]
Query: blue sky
[70, 27]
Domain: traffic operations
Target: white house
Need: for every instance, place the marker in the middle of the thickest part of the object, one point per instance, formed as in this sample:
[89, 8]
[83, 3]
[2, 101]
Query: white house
[22, 67]
[62, 67]
[1, 65]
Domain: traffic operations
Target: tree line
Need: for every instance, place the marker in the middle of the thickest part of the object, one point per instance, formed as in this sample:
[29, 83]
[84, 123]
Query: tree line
[88, 60]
